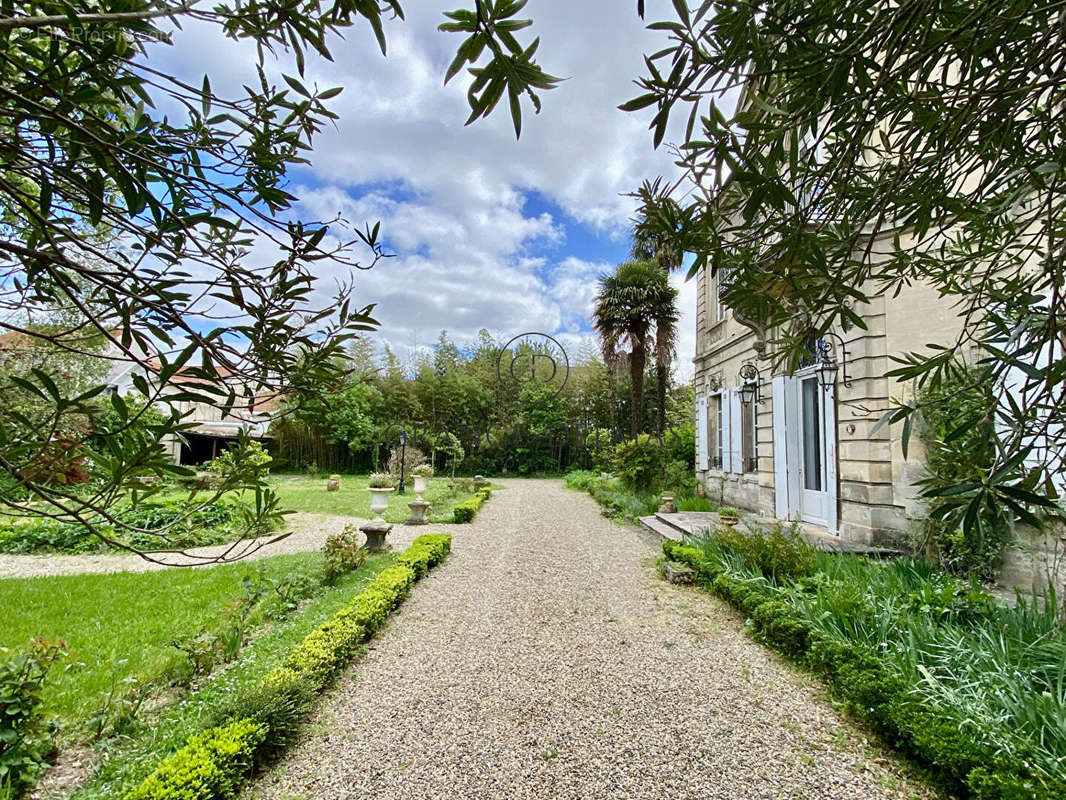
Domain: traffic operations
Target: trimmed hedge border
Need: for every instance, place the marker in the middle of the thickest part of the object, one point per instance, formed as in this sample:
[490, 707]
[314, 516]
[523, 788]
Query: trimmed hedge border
[467, 510]
[263, 720]
[956, 749]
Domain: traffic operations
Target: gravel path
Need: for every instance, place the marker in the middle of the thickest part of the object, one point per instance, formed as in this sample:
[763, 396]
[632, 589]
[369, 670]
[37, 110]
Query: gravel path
[545, 659]
[308, 532]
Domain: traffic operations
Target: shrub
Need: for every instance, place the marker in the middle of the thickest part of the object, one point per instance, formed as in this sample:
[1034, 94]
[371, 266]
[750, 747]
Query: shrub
[679, 444]
[778, 552]
[599, 444]
[961, 446]
[211, 765]
[342, 554]
[189, 525]
[409, 458]
[639, 463]
[253, 455]
[467, 510]
[23, 741]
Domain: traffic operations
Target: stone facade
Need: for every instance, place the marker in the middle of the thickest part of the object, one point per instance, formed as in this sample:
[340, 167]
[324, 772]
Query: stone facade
[823, 439]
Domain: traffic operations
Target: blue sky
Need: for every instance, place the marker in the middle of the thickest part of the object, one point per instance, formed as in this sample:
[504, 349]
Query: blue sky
[488, 232]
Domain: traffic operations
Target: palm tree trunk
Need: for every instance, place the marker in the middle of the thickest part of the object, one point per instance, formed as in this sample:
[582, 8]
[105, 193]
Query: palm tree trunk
[660, 412]
[637, 360]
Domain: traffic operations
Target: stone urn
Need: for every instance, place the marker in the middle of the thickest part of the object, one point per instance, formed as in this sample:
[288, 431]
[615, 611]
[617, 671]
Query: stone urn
[379, 501]
[667, 504]
[418, 512]
[334, 483]
[420, 486]
[729, 520]
[480, 482]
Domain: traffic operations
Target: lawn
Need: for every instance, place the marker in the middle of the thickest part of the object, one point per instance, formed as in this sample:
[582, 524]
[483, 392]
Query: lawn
[303, 493]
[131, 757]
[122, 625]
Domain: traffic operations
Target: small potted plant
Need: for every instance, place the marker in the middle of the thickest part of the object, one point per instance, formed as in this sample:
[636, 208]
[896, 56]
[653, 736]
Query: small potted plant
[421, 474]
[380, 484]
[728, 517]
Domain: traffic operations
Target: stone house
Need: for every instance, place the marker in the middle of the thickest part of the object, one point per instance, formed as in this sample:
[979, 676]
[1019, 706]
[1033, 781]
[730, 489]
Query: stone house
[801, 446]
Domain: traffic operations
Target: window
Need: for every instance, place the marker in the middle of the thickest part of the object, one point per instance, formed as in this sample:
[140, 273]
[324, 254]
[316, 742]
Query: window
[714, 430]
[749, 437]
[720, 281]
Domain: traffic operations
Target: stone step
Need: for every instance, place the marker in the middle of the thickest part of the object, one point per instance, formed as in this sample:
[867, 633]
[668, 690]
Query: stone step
[657, 526]
[672, 521]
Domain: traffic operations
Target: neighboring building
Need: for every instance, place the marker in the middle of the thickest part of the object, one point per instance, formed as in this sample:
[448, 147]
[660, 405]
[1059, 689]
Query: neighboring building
[806, 450]
[117, 370]
[213, 432]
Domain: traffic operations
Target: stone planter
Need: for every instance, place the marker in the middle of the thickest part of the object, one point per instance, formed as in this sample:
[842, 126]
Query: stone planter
[379, 501]
[667, 506]
[333, 485]
[729, 520]
[420, 485]
[418, 512]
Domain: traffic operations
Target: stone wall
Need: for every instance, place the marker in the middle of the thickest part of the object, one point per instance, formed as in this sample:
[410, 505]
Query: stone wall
[1034, 560]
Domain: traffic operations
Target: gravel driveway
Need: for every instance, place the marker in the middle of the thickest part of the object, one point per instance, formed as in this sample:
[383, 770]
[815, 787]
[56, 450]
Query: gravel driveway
[545, 659]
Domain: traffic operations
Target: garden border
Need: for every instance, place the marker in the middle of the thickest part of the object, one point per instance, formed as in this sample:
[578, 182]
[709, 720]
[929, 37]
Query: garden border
[264, 720]
[956, 751]
[467, 510]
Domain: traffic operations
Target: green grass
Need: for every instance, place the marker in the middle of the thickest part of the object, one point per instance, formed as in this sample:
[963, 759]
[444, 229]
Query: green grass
[130, 759]
[122, 624]
[301, 493]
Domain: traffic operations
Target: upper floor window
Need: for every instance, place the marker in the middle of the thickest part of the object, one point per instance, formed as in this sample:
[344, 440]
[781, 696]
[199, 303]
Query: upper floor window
[721, 280]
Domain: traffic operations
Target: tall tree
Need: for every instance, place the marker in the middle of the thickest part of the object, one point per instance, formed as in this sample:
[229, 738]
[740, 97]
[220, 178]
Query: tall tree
[632, 303]
[657, 232]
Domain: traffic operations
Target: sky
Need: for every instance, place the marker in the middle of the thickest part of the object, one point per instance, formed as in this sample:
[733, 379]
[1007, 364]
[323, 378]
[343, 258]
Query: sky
[486, 232]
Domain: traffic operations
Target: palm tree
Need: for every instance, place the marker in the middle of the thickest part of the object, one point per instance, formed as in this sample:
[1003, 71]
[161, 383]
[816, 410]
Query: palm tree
[632, 303]
[656, 238]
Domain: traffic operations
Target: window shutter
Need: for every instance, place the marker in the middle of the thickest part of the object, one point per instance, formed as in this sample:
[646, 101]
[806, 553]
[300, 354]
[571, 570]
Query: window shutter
[736, 431]
[727, 451]
[780, 450]
[701, 433]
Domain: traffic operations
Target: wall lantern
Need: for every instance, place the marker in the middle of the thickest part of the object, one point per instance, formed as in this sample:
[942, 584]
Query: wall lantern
[749, 384]
[827, 366]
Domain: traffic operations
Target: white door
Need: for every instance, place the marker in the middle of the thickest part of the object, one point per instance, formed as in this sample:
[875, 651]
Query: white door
[811, 441]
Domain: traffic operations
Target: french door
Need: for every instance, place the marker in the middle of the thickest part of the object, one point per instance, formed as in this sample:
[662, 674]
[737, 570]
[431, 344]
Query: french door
[805, 467]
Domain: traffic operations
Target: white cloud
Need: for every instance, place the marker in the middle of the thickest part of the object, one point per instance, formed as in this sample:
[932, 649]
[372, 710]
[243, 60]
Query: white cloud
[456, 203]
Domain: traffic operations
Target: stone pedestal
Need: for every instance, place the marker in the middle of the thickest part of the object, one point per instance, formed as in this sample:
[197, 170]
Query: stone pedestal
[668, 506]
[418, 512]
[375, 531]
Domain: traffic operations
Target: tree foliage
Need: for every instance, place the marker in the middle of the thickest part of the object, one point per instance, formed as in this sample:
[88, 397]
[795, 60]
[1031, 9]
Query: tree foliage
[877, 144]
[635, 315]
[155, 213]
